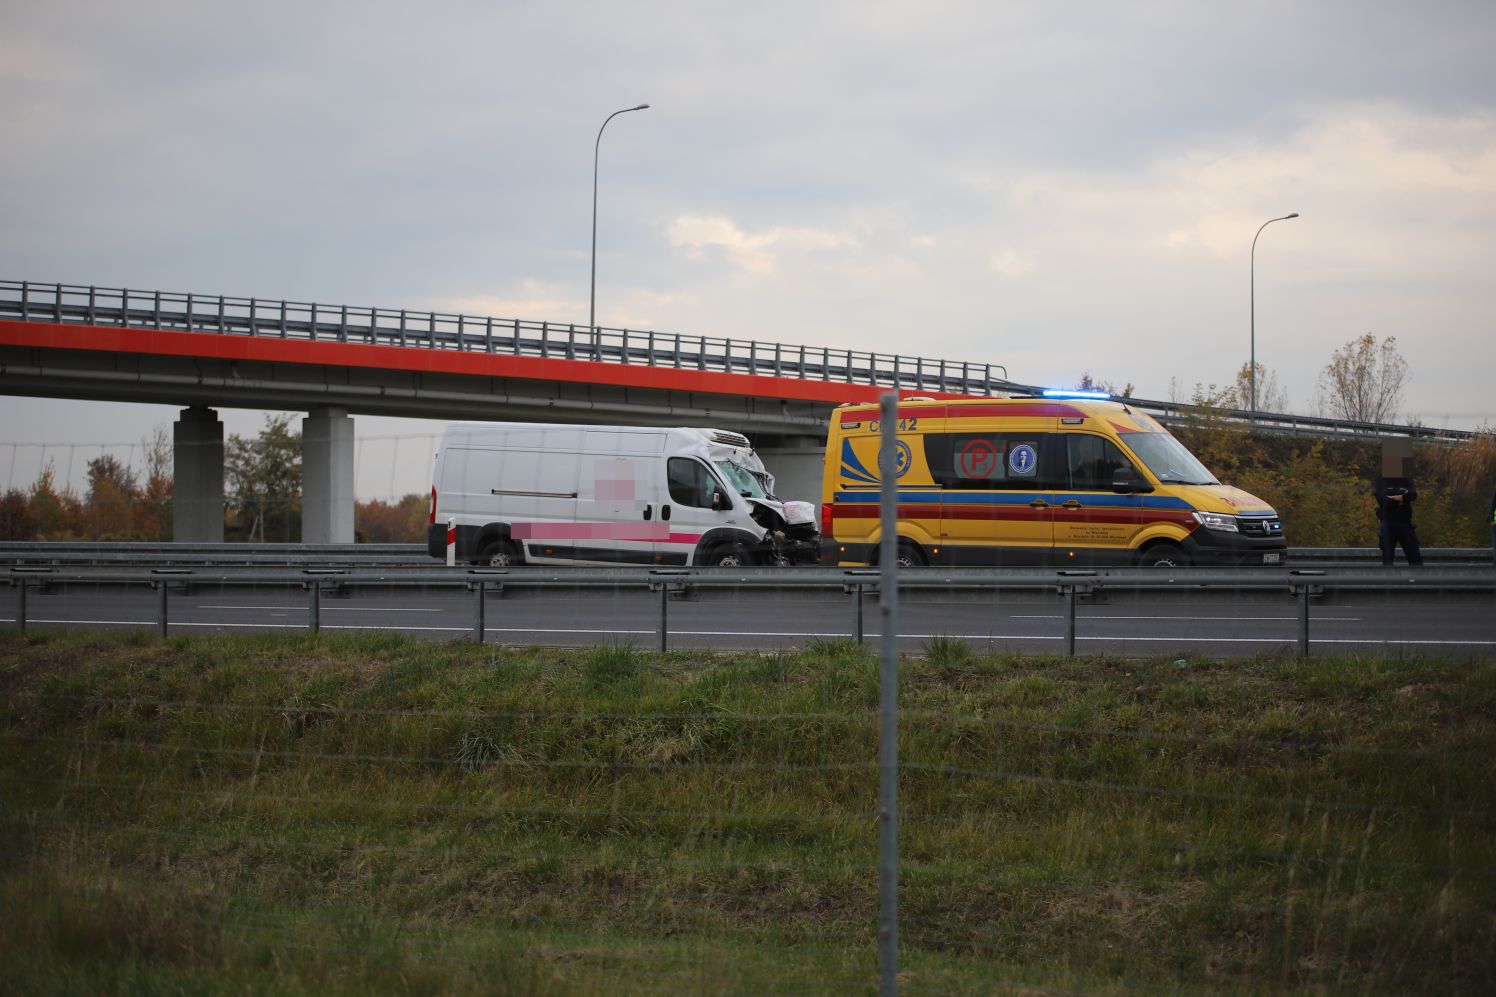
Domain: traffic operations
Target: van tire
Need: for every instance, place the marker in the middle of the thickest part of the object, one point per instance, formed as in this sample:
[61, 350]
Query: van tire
[728, 556]
[499, 554]
[1164, 555]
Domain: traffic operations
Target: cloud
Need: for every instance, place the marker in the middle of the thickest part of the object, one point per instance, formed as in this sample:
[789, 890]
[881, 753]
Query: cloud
[756, 253]
[1011, 264]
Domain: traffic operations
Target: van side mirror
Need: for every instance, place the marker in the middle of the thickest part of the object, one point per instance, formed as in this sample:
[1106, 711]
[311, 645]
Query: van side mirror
[1127, 481]
[718, 502]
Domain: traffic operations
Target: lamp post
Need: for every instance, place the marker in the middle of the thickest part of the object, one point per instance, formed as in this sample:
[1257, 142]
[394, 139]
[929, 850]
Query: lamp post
[1252, 362]
[592, 305]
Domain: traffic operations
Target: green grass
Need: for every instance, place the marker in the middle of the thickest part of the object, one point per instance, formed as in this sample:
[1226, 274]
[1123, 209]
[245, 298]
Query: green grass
[350, 814]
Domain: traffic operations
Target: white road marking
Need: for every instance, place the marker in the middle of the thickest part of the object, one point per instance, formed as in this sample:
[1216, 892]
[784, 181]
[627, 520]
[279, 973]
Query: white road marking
[325, 608]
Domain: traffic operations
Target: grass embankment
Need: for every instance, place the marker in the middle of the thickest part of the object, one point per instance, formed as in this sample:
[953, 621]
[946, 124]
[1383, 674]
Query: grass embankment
[373, 813]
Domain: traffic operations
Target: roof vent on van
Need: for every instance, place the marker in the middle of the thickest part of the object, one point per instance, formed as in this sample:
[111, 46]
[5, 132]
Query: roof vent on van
[727, 439]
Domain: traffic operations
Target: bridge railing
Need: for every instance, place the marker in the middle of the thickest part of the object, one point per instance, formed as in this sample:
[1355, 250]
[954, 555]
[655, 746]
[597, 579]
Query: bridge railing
[73, 304]
[76, 304]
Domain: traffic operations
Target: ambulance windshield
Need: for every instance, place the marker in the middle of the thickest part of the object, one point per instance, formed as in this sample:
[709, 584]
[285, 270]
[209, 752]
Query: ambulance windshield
[1169, 461]
[750, 484]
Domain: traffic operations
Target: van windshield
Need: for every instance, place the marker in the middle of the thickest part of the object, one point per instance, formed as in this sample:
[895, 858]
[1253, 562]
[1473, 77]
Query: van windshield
[1169, 461]
[750, 484]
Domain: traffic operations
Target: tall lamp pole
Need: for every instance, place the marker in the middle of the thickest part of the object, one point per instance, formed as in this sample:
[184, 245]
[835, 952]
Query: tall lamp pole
[1252, 368]
[592, 305]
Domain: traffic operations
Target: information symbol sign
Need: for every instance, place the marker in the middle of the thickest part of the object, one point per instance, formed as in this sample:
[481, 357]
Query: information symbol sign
[1022, 459]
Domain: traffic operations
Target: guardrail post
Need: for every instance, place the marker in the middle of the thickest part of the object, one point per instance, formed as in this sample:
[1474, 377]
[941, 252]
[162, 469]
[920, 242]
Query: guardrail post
[1304, 606]
[857, 612]
[161, 608]
[478, 613]
[25, 301]
[1069, 584]
[1304, 622]
[21, 587]
[664, 614]
[1070, 620]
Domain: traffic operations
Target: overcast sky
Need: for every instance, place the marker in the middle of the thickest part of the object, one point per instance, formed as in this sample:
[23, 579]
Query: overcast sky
[1059, 188]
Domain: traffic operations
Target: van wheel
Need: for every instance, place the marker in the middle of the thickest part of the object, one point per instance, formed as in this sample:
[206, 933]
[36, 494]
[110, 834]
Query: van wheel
[909, 556]
[499, 554]
[1164, 555]
[730, 556]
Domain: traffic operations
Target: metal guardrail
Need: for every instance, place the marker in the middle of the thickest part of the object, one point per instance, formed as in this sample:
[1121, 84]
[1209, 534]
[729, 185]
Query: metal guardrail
[124, 553]
[1300, 584]
[77, 304]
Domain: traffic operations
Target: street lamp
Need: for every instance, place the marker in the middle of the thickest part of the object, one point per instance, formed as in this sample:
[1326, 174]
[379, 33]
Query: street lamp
[1252, 368]
[592, 306]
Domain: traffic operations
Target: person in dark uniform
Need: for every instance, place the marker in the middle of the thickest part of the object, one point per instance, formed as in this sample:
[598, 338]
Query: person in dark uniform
[1396, 494]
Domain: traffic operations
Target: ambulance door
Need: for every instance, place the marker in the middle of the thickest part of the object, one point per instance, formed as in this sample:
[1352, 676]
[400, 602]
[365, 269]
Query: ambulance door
[995, 503]
[1093, 524]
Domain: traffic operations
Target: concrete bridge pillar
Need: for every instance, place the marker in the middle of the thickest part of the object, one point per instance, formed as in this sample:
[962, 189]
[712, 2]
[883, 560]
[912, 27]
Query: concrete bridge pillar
[327, 476]
[197, 472]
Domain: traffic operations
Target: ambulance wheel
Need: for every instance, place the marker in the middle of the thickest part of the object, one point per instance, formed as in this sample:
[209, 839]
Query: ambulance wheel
[499, 554]
[910, 555]
[1164, 555]
[728, 556]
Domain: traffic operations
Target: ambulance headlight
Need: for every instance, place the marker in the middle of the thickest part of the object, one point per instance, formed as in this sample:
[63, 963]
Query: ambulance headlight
[1216, 521]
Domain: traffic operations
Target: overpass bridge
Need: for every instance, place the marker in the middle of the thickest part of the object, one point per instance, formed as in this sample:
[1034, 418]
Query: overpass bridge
[203, 352]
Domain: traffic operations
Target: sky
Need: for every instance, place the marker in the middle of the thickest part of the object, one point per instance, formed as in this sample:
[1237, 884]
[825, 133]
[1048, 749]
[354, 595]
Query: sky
[1061, 189]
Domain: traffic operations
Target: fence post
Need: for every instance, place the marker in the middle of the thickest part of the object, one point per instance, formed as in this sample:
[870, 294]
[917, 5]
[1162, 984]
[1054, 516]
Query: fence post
[888, 705]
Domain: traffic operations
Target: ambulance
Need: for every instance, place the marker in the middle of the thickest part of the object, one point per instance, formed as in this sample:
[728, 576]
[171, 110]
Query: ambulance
[1035, 481]
[537, 493]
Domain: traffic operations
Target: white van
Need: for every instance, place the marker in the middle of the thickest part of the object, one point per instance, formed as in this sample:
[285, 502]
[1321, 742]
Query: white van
[533, 493]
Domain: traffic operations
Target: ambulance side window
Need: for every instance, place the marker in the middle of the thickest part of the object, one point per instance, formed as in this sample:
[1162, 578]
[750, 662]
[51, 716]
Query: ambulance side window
[690, 483]
[1093, 461]
[1006, 461]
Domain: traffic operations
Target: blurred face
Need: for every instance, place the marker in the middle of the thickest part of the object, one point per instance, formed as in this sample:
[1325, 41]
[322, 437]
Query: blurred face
[1392, 466]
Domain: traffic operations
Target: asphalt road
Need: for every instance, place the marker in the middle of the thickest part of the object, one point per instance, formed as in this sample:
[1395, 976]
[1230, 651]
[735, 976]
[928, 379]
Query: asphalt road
[1205, 622]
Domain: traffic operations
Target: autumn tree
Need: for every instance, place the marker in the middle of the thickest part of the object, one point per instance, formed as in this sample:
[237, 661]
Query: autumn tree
[263, 479]
[378, 521]
[1270, 394]
[16, 519]
[59, 514]
[1089, 383]
[1363, 381]
[112, 493]
[155, 492]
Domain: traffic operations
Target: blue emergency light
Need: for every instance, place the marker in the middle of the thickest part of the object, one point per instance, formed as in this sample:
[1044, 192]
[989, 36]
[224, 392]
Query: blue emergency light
[1064, 393]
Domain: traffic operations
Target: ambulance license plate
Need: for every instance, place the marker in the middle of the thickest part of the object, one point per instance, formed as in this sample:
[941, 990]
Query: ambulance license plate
[1273, 558]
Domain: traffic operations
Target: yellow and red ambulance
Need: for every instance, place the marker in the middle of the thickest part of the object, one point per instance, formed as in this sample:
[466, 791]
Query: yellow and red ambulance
[1035, 481]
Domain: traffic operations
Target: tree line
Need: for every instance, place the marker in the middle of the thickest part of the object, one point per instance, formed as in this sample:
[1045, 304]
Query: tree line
[262, 497]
